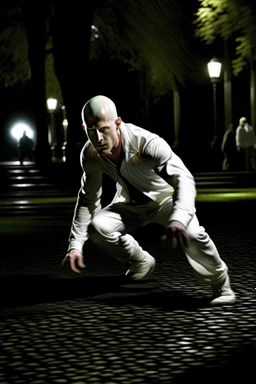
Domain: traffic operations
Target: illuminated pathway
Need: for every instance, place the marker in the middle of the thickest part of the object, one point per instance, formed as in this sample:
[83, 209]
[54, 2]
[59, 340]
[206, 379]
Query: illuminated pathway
[58, 327]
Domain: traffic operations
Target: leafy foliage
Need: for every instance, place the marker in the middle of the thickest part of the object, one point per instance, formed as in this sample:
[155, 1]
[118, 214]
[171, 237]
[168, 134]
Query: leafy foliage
[147, 35]
[228, 19]
[14, 63]
[14, 52]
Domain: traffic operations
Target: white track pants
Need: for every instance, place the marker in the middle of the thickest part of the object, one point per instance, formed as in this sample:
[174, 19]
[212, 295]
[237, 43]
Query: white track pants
[110, 230]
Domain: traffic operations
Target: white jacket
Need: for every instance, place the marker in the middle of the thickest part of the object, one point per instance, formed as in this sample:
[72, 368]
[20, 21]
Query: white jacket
[149, 165]
[245, 138]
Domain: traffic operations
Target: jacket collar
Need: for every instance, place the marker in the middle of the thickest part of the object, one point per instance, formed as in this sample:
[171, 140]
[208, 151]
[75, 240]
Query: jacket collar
[128, 141]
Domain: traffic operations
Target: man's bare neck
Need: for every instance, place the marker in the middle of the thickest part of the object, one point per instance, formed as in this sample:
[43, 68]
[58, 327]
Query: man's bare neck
[116, 152]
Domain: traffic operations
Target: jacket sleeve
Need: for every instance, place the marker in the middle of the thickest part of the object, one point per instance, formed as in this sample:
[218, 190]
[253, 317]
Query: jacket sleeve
[171, 168]
[88, 203]
[224, 140]
[238, 137]
[254, 133]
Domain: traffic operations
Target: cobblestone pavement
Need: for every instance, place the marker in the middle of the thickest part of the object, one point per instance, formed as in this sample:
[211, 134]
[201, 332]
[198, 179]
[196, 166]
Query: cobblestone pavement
[57, 327]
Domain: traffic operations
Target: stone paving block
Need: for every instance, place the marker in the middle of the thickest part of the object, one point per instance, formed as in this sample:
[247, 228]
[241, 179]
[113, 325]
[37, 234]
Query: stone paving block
[57, 327]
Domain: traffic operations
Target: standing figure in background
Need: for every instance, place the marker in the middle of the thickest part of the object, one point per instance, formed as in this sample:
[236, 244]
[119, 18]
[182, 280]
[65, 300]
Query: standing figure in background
[25, 148]
[245, 143]
[229, 150]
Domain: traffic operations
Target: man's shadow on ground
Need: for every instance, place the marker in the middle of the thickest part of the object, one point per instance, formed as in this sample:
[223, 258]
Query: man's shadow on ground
[238, 367]
[20, 291]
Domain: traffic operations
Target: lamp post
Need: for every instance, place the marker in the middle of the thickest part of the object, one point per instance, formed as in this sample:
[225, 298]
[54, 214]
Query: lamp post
[51, 105]
[65, 127]
[214, 70]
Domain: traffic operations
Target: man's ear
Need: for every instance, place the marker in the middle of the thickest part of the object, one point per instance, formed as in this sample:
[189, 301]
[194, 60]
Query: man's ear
[118, 121]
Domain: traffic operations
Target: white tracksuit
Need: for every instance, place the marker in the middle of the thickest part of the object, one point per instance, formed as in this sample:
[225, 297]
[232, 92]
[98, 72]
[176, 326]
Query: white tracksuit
[148, 163]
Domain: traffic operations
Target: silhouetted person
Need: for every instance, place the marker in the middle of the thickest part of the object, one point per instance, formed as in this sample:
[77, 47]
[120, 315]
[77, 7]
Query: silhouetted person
[245, 143]
[25, 148]
[229, 149]
[216, 154]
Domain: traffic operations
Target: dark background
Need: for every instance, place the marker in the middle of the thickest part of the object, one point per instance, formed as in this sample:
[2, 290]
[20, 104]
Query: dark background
[113, 79]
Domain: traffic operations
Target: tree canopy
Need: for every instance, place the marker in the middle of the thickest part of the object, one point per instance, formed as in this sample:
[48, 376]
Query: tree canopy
[14, 62]
[228, 19]
[149, 36]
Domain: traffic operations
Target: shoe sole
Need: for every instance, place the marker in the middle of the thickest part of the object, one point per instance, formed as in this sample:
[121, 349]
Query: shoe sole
[231, 301]
[150, 271]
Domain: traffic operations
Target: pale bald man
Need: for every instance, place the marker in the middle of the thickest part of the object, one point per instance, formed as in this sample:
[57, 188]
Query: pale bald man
[152, 186]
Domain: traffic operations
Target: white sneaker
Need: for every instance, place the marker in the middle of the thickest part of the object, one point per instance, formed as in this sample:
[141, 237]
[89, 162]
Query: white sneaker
[141, 269]
[223, 294]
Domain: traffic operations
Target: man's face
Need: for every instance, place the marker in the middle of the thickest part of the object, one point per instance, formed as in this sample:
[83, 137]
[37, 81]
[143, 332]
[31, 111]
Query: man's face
[104, 135]
[243, 122]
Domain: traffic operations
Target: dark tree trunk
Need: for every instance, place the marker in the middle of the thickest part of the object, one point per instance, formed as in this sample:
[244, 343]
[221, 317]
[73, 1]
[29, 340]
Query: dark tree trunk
[227, 87]
[253, 91]
[71, 31]
[35, 14]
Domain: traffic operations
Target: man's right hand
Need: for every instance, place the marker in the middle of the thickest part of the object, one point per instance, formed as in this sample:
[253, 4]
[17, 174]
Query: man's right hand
[74, 259]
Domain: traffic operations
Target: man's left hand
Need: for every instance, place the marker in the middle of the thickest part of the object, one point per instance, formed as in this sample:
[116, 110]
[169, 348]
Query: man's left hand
[176, 231]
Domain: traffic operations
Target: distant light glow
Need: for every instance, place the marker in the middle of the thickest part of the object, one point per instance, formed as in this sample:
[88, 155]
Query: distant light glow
[214, 68]
[94, 32]
[18, 129]
[65, 123]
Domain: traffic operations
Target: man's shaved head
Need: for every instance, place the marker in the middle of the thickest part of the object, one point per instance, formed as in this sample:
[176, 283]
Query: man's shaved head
[101, 124]
[98, 108]
[242, 121]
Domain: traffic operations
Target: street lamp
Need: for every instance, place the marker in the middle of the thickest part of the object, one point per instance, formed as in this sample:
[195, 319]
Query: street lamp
[51, 105]
[214, 69]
